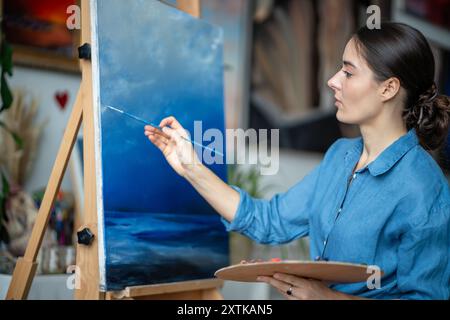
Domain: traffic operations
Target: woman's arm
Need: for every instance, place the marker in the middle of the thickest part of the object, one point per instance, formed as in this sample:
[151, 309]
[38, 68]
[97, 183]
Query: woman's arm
[218, 194]
[281, 219]
[181, 156]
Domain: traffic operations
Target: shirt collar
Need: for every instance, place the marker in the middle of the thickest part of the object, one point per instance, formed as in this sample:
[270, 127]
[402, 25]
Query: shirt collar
[388, 158]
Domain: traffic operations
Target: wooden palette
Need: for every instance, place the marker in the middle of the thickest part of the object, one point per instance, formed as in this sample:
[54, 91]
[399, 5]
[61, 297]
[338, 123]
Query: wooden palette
[330, 271]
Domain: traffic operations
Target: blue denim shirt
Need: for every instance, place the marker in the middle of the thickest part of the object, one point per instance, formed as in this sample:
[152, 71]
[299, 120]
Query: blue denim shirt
[393, 213]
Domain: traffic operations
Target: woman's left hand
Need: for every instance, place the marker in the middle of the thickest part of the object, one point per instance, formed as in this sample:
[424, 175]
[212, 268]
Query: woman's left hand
[300, 288]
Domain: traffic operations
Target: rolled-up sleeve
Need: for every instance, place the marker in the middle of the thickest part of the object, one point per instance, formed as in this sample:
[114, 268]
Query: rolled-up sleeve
[281, 219]
[424, 266]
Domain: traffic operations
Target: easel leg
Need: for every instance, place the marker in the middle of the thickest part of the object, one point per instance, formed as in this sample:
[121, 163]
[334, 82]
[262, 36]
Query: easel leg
[26, 266]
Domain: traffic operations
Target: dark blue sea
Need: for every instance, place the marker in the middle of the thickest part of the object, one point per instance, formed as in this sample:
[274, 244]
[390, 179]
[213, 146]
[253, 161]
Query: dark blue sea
[152, 248]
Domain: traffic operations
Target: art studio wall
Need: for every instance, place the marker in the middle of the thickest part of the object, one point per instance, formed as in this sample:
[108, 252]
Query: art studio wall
[55, 93]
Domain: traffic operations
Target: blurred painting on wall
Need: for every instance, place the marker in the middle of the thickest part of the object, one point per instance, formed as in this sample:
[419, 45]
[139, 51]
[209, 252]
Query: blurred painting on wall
[39, 34]
[235, 18]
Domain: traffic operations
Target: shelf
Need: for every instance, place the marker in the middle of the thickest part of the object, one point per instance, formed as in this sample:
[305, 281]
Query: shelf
[438, 35]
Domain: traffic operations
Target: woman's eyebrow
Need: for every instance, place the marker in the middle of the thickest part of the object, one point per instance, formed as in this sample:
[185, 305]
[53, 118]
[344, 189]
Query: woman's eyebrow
[348, 63]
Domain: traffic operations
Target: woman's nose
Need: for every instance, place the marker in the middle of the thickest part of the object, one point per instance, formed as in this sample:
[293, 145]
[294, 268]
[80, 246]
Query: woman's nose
[334, 83]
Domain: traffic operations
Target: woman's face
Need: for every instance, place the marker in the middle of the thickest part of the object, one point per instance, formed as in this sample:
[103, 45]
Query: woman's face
[355, 88]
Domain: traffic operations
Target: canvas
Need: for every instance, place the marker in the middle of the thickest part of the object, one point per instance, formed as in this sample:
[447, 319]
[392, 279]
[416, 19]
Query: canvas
[152, 60]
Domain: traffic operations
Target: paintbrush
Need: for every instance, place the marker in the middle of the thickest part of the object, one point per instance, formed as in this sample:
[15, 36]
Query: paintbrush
[159, 128]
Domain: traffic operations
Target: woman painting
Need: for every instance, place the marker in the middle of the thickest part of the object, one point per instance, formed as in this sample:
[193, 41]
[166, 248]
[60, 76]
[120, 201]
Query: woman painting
[379, 199]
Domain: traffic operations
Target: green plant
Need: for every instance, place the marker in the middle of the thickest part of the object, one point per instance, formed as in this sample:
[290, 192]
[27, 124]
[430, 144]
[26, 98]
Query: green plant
[249, 180]
[6, 69]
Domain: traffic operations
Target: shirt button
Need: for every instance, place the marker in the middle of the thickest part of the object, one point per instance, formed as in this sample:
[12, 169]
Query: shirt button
[354, 176]
[325, 243]
[340, 209]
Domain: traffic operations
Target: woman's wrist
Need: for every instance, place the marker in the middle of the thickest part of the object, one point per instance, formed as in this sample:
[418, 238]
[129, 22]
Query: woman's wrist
[194, 171]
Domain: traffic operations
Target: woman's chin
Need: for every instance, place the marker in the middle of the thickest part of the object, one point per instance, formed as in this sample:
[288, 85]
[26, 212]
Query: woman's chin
[340, 116]
[343, 118]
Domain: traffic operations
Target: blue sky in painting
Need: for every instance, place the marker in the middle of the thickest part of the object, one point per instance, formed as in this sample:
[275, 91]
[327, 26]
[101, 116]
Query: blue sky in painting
[156, 61]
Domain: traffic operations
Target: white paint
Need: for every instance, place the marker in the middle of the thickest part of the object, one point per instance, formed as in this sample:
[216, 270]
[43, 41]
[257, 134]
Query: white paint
[42, 85]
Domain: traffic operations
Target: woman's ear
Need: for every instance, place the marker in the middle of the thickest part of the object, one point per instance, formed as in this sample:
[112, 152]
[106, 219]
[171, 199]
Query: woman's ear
[389, 89]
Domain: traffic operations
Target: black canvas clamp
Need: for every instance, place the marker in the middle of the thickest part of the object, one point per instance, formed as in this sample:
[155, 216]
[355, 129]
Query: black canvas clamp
[85, 237]
[84, 52]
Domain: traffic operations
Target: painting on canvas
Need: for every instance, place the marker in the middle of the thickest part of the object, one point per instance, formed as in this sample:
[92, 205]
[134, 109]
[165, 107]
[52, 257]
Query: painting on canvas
[152, 61]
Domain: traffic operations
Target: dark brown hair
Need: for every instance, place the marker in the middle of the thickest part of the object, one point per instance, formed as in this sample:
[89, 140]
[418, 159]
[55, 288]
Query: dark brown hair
[400, 51]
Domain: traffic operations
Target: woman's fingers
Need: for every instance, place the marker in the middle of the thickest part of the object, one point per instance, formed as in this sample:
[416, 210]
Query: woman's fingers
[173, 134]
[297, 281]
[158, 142]
[280, 285]
[172, 131]
[289, 297]
[154, 130]
[167, 133]
[171, 122]
[156, 137]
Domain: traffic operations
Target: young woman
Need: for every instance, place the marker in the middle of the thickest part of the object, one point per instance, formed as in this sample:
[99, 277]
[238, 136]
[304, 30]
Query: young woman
[380, 199]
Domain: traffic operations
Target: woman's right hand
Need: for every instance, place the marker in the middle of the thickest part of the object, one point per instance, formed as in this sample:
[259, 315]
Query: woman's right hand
[179, 153]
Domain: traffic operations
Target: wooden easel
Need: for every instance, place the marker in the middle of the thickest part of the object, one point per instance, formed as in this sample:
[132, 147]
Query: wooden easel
[87, 255]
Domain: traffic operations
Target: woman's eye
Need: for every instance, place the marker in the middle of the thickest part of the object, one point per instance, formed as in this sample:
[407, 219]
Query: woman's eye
[347, 74]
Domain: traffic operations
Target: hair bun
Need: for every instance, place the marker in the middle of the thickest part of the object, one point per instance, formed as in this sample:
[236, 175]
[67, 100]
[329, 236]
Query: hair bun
[422, 108]
[425, 104]
[430, 116]
[429, 95]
